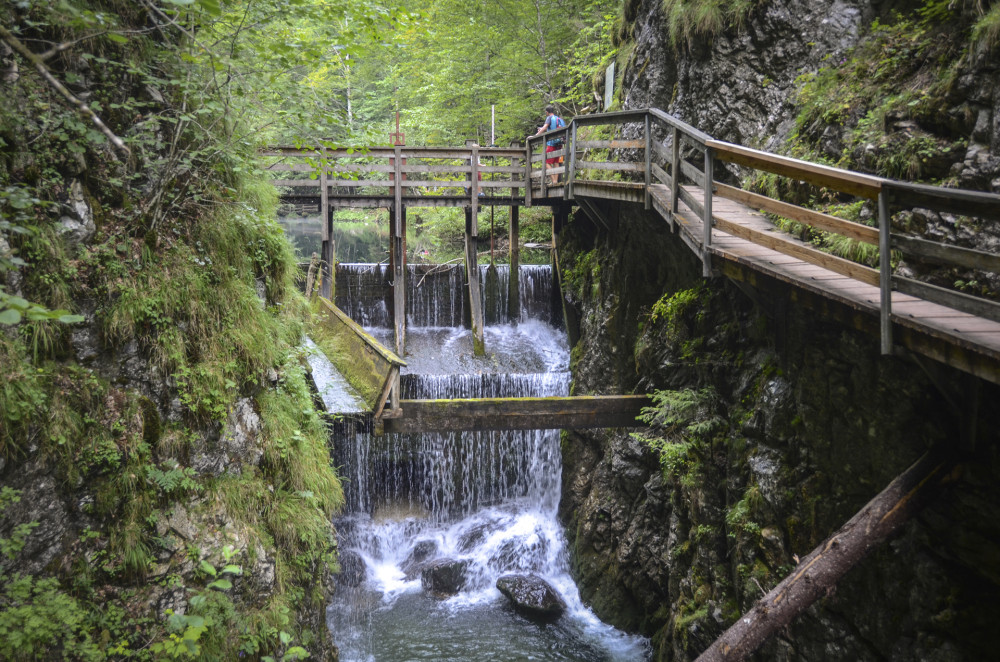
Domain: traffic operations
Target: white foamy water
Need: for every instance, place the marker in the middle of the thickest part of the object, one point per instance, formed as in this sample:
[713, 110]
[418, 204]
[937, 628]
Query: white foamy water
[485, 500]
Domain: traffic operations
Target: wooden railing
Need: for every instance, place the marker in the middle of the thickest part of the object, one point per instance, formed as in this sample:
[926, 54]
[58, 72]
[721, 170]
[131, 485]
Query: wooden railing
[403, 172]
[632, 152]
[642, 160]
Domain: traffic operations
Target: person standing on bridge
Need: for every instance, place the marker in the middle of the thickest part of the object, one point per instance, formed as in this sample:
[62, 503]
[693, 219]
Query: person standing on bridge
[552, 122]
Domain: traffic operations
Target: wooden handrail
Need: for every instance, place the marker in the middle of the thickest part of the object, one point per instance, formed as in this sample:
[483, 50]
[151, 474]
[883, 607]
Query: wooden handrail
[846, 181]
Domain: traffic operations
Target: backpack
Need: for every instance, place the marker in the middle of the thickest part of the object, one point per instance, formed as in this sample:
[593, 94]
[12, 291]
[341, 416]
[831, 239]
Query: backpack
[560, 124]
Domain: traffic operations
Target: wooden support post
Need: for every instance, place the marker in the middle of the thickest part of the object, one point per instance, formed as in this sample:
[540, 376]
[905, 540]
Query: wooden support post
[474, 190]
[527, 173]
[398, 257]
[514, 280]
[675, 169]
[326, 213]
[472, 274]
[819, 572]
[560, 215]
[545, 177]
[706, 256]
[649, 149]
[885, 272]
[571, 175]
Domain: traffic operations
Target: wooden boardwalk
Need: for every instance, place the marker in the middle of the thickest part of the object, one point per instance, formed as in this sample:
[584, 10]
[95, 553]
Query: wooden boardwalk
[944, 334]
[663, 164]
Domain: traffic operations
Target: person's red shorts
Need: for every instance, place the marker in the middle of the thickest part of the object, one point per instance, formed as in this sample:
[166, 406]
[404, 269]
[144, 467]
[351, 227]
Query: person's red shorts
[551, 148]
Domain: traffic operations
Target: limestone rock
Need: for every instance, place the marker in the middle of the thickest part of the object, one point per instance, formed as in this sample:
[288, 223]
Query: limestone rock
[415, 562]
[532, 596]
[238, 446]
[444, 577]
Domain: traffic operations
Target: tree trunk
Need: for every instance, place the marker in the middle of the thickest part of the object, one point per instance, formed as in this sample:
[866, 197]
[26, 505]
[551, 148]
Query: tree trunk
[819, 572]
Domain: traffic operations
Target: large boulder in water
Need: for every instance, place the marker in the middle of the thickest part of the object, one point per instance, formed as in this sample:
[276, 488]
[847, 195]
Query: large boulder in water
[444, 577]
[532, 596]
[415, 562]
[352, 568]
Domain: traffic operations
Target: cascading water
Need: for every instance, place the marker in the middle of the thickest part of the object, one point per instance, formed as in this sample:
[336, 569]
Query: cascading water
[436, 294]
[484, 501]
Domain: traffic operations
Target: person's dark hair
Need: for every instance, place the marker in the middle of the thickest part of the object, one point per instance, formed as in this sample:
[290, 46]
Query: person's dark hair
[550, 109]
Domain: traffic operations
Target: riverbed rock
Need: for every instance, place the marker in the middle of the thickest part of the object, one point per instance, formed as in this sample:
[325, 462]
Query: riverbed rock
[417, 560]
[532, 596]
[444, 577]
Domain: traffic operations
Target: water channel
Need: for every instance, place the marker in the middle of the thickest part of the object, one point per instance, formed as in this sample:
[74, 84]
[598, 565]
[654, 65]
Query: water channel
[486, 500]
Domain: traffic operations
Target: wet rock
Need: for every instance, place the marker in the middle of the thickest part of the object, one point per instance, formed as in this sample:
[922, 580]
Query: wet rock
[238, 446]
[444, 577]
[532, 596]
[417, 559]
[352, 568]
[476, 535]
[524, 553]
[77, 225]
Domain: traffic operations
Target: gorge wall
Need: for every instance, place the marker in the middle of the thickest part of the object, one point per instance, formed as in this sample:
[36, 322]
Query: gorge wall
[780, 421]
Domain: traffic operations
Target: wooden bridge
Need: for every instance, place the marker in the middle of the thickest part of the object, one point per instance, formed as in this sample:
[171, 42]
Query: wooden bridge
[661, 163]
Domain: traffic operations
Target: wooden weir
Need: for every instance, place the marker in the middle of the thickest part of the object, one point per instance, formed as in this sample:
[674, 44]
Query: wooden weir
[663, 164]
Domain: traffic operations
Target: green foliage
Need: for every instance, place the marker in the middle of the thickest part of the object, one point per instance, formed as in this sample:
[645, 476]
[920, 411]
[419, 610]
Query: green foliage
[691, 20]
[37, 618]
[986, 33]
[903, 69]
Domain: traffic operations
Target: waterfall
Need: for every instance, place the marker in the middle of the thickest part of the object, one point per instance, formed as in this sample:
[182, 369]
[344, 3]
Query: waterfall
[436, 295]
[485, 501]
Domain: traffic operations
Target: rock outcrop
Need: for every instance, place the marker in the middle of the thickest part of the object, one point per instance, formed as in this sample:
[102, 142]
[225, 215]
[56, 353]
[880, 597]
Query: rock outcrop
[532, 596]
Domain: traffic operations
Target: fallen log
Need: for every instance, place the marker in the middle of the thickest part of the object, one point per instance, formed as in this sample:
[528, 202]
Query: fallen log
[819, 572]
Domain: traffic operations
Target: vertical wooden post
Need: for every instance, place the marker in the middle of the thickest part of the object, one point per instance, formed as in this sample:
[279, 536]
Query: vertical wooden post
[560, 214]
[472, 274]
[474, 190]
[326, 291]
[545, 179]
[675, 168]
[514, 281]
[571, 173]
[885, 271]
[706, 256]
[649, 140]
[527, 173]
[398, 260]
[397, 253]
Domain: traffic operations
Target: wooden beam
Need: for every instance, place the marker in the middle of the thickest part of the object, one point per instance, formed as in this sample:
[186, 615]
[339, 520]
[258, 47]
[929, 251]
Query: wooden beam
[596, 411]
[947, 254]
[941, 199]
[816, 219]
[472, 276]
[514, 279]
[818, 573]
[795, 249]
[845, 181]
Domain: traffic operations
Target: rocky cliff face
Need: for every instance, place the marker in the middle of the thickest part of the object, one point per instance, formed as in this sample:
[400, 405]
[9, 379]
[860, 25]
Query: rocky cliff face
[785, 425]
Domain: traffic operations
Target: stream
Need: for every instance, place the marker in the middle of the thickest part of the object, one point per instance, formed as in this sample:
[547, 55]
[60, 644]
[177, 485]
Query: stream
[485, 500]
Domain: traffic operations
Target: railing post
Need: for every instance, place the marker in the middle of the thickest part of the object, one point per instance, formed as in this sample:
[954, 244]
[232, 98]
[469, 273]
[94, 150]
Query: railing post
[649, 160]
[675, 168]
[545, 179]
[327, 268]
[571, 174]
[885, 271]
[527, 173]
[706, 256]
